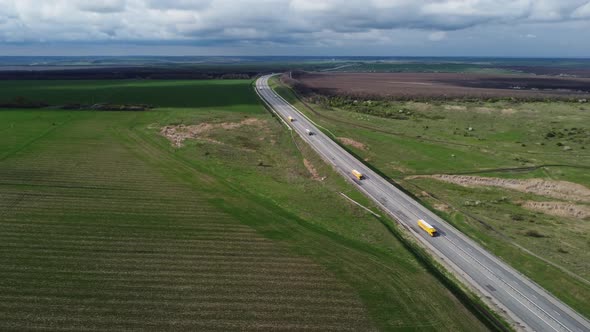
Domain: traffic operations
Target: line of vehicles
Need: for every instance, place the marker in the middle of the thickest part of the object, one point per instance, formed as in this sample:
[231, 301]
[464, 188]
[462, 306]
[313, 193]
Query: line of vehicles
[480, 268]
[307, 130]
[428, 228]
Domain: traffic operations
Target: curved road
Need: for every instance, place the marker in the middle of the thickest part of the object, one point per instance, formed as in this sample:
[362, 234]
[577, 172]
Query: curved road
[525, 302]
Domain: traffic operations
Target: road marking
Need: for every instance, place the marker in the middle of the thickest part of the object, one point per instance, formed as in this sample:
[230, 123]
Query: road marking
[515, 290]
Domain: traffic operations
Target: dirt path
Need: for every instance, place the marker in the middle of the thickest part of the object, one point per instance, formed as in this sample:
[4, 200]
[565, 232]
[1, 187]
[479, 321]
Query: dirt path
[353, 143]
[559, 209]
[556, 189]
[440, 203]
[312, 170]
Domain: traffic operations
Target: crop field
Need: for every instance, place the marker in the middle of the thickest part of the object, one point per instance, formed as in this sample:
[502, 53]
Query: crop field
[414, 86]
[512, 66]
[515, 176]
[417, 67]
[106, 224]
[162, 94]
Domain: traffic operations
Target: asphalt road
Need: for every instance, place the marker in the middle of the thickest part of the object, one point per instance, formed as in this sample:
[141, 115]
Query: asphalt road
[525, 302]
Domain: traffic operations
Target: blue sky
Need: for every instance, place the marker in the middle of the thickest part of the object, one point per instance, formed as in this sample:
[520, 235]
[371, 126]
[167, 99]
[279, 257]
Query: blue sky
[543, 28]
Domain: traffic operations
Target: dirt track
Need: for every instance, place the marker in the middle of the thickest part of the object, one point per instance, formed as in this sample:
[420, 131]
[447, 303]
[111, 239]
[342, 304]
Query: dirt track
[353, 143]
[445, 85]
[559, 209]
[555, 189]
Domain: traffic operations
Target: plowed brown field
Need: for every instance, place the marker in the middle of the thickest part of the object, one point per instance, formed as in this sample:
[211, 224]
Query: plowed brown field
[445, 85]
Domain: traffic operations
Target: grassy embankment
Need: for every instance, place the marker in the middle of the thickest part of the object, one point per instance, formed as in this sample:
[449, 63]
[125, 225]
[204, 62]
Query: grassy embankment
[405, 139]
[105, 225]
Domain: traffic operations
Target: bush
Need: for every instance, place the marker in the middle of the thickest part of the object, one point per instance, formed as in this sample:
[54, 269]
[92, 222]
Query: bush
[534, 233]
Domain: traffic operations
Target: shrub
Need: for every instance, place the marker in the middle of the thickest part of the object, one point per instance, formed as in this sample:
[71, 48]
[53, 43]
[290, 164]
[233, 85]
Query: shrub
[534, 233]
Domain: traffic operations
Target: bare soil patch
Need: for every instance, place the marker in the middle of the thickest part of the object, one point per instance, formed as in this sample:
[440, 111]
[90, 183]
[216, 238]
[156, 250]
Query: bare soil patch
[559, 209]
[312, 170]
[484, 110]
[353, 143]
[508, 111]
[555, 189]
[442, 207]
[179, 133]
[489, 110]
[455, 108]
[444, 85]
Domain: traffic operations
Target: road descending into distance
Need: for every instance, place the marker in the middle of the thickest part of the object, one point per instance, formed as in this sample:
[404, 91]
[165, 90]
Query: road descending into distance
[525, 302]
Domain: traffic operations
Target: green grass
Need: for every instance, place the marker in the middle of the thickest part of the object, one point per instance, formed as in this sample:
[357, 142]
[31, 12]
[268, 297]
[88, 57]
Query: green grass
[434, 138]
[158, 93]
[105, 225]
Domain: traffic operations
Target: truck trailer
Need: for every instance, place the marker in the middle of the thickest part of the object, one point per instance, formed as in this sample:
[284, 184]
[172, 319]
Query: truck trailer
[358, 174]
[427, 227]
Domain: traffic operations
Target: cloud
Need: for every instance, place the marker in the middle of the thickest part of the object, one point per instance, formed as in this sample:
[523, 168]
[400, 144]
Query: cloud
[582, 11]
[103, 6]
[271, 22]
[437, 36]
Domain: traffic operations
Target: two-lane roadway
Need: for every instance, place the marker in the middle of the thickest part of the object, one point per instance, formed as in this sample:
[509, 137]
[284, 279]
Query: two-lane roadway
[525, 302]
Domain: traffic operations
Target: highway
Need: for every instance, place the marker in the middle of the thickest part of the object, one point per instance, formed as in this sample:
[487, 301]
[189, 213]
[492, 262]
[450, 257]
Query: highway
[526, 303]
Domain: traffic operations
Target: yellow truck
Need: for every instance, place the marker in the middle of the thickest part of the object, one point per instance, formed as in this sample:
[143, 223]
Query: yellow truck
[358, 174]
[291, 119]
[427, 227]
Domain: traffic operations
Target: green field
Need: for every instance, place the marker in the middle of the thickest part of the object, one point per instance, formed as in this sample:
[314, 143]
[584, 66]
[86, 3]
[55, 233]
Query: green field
[104, 225]
[505, 139]
[177, 94]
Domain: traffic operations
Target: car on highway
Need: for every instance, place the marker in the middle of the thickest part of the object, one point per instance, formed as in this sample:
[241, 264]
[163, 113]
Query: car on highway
[428, 228]
[357, 174]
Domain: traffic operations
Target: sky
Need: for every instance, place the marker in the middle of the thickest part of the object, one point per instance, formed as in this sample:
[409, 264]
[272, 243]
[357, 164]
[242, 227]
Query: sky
[512, 28]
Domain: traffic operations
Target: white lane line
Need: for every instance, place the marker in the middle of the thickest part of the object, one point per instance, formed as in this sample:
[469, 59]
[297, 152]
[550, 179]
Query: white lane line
[514, 289]
[459, 254]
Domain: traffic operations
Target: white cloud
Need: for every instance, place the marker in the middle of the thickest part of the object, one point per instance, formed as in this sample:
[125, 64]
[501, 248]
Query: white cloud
[582, 11]
[437, 36]
[310, 6]
[103, 6]
[268, 21]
